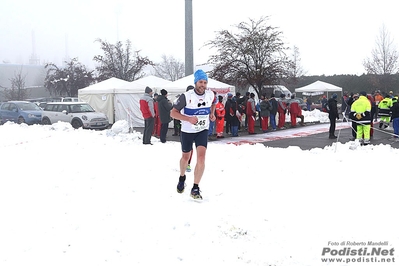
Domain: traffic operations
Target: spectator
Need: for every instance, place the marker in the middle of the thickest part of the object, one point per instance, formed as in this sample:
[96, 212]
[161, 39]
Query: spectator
[372, 113]
[273, 111]
[235, 115]
[384, 110]
[242, 102]
[395, 119]
[157, 122]
[227, 116]
[164, 107]
[295, 111]
[361, 113]
[265, 108]
[220, 112]
[309, 103]
[251, 113]
[324, 103]
[377, 99]
[211, 125]
[332, 107]
[147, 110]
[281, 110]
[239, 100]
[176, 122]
[344, 105]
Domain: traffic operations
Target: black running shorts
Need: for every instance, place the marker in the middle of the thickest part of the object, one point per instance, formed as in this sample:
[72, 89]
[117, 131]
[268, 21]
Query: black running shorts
[199, 138]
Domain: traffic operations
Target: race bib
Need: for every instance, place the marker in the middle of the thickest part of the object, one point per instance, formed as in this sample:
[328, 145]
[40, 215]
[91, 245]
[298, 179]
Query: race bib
[203, 121]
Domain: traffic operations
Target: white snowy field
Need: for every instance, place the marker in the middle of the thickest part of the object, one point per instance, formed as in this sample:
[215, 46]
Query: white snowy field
[81, 197]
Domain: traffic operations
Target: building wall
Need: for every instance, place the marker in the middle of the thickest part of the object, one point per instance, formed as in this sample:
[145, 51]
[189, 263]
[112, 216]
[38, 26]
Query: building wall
[34, 76]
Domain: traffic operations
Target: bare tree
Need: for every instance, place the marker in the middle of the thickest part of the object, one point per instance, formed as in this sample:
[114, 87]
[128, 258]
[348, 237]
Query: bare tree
[254, 56]
[384, 60]
[295, 70]
[120, 62]
[170, 68]
[17, 92]
[68, 80]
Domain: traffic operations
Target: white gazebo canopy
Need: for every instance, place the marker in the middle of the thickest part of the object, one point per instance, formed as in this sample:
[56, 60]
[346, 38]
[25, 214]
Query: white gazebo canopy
[318, 87]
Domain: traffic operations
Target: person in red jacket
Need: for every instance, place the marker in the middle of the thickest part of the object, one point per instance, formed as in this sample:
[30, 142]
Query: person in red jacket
[295, 111]
[281, 110]
[251, 113]
[147, 110]
[220, 112]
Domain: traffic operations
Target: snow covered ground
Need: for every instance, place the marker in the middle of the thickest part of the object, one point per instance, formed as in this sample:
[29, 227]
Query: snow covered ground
[81, 197]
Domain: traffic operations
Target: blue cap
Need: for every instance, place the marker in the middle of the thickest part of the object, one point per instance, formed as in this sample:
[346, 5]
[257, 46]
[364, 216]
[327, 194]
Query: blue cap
[200, 75]
[335, 96]
[229, 95]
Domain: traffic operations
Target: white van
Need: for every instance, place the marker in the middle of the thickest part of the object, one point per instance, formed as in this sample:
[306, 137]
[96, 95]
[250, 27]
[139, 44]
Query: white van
[69, 99]
[277, 90]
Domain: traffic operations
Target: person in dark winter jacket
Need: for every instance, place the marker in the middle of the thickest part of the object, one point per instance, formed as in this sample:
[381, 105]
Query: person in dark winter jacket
[273, 111]
[227, 116]
[235, 116]
[265, 108]
[164, 107]
[395, 118]
[333, 114]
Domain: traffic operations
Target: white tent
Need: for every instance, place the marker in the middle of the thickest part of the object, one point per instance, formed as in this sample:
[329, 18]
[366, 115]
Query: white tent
[101, 95]
[318, 87]
[127, 99]
[119, 99]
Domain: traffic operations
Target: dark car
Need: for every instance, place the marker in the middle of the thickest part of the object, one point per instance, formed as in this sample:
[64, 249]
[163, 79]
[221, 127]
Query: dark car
[20, 112]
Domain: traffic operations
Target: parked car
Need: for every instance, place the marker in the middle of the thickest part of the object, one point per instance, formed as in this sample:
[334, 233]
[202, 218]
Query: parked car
[42, 105]
[302, 104]
[20, 112]
[79, 114]
[69, 99]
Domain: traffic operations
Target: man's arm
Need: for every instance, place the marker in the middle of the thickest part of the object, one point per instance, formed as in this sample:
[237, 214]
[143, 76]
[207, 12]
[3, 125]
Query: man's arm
[174, 113]
[151, 106]
[212, 116]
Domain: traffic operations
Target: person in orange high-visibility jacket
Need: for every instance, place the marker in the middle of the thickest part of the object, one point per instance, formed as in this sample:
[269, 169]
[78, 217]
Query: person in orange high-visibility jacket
[361, 114]
[220, 112]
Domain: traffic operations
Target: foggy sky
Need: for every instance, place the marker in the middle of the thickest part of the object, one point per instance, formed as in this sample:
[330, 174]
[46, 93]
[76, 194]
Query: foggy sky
[332, 37]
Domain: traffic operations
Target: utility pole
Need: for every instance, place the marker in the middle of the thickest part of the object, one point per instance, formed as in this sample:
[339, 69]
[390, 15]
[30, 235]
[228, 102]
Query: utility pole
[33, 60]
[189, 57]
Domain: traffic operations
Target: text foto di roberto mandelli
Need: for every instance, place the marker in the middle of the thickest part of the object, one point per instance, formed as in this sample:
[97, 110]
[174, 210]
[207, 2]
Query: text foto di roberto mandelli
[355, 243]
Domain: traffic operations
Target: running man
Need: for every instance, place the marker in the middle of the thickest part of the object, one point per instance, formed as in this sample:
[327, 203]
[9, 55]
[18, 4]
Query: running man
[194, 108]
